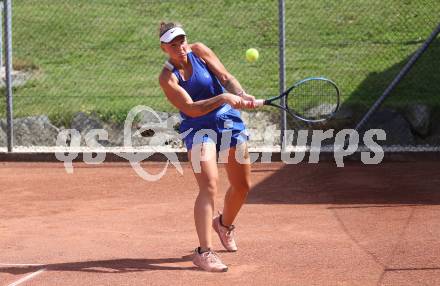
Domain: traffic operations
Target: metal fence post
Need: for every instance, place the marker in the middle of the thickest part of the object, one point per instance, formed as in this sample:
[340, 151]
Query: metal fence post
[2, 9]
[399, 77]
[8, 70]
[282, 63]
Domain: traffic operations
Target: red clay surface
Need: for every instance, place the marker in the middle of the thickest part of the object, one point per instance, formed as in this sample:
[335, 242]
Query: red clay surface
[302, 225]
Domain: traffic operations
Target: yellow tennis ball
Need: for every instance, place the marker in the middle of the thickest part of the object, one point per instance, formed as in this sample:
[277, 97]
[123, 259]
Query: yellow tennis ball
[252, 55]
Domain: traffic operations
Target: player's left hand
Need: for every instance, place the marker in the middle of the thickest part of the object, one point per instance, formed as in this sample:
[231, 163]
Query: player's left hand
[248, 97]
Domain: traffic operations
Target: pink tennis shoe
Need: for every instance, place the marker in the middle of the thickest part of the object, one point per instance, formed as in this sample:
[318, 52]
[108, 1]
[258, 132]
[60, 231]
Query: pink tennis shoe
[226, 234]
[209, 261]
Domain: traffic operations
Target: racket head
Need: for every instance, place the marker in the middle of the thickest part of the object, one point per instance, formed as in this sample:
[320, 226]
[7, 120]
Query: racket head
[313, 99]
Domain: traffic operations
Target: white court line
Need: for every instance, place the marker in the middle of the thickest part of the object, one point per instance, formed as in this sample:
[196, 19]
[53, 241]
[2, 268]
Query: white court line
[19, 264]
[28, 277]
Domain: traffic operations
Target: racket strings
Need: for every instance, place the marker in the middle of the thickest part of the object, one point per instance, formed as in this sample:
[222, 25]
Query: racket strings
[313, 99]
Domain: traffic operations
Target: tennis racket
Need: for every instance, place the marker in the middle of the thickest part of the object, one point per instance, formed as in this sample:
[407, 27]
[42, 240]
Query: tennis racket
[313, 99]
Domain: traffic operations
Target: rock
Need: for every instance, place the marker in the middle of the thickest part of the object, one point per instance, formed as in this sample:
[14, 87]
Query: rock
[418, 116]
[318, 111]
[397, 129]
[157, 129]
[157, 134]
[147, 117]
[434, 137]
[158, 138]
[3, 138]
[115, 135]
[33, 131]
[263, 129]
[150, 130]
[344, 113]
[84, 123]
[19, 78]
[269, 136]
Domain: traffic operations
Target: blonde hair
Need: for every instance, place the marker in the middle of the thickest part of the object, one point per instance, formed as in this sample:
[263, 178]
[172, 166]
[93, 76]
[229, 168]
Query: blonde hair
[164, 27]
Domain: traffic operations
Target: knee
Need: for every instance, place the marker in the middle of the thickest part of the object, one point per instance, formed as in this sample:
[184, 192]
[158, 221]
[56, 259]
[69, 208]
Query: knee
[210, 187]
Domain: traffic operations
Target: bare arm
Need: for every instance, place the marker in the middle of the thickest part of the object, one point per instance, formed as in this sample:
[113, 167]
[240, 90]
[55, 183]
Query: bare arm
[182, 101]
[228, 81]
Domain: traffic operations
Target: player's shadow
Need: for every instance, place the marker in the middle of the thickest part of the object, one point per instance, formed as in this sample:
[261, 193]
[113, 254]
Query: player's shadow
[113, 266]
[411, 183]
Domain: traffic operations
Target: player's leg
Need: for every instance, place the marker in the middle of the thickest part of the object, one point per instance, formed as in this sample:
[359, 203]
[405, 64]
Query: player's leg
[238, 171]
[239, 175]
[206, 174]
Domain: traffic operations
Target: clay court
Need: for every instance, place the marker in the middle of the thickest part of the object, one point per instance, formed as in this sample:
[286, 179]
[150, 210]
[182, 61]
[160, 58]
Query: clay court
[302, 225]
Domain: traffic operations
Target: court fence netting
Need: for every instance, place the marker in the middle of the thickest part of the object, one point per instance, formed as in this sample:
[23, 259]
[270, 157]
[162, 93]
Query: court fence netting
[72, 68]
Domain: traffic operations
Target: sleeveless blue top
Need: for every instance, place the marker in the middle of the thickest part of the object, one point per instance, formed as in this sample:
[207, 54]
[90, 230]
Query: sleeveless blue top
[202, 84]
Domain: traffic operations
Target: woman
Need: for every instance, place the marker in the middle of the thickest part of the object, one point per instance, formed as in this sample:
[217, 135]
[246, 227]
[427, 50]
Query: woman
[208, 96]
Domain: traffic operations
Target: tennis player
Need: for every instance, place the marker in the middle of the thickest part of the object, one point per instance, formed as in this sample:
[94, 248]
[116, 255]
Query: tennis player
[208, 96]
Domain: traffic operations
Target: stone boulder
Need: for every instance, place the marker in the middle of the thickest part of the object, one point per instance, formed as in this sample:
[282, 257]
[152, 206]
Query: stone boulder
[19, 78]
[33, 131]
[3, 138]
[263, 126]
[418, 116]
[148, 130]
[396, 127]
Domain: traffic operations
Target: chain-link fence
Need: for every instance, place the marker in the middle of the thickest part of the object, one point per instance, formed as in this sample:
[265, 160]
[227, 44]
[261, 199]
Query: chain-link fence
[103, 57]
[363, 46]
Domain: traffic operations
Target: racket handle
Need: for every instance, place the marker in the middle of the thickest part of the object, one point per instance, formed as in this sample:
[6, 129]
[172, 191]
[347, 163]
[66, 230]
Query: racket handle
[248, 104]
[258, 103]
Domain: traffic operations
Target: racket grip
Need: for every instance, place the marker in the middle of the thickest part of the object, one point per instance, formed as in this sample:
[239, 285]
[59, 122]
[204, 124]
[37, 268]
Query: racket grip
[247, 104]
[258, 103]
[250, 104]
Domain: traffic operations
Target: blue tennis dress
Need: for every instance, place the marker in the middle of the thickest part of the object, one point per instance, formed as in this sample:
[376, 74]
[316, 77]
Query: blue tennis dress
[222, 126]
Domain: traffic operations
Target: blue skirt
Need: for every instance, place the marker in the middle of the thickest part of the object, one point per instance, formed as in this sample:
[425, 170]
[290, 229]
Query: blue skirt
[223, 127]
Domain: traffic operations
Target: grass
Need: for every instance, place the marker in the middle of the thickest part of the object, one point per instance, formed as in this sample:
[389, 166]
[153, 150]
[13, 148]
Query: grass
[103, 56]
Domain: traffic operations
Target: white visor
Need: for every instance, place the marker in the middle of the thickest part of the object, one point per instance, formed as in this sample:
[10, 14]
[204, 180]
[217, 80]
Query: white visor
[171, 34]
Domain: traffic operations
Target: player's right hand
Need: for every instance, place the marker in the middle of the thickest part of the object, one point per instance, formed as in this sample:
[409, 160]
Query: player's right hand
[238, 102]
[233, 100]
